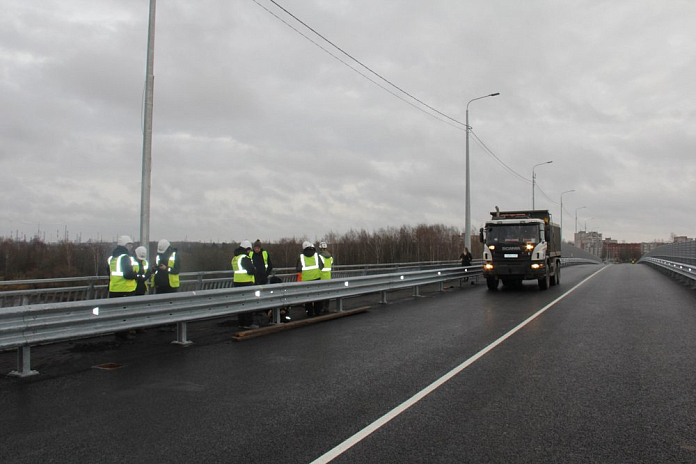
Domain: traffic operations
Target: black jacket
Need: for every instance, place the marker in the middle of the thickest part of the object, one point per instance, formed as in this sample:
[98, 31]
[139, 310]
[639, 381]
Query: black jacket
[162, 276]
[308, 252]
[262, 273]
[246, 263]
[128, 272]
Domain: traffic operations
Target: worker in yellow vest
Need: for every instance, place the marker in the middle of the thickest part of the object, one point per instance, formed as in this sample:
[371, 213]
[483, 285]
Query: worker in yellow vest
[327, 262]
[326, 259]
[167, 268]
[144, 275]
[244, 270]
[123, 269]
[309, 266]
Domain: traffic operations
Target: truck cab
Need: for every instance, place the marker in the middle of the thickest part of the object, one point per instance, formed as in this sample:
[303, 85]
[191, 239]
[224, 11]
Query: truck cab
[521, 245]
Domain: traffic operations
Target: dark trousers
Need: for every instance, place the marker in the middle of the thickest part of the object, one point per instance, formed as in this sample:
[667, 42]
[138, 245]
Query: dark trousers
[244, 319]
[165, 289]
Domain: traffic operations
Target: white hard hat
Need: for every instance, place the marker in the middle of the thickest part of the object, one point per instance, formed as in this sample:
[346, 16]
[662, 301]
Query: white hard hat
[307, 244]
[162, 245]
[124, 240]
[141, 252]
[245, 244]
[323, 245]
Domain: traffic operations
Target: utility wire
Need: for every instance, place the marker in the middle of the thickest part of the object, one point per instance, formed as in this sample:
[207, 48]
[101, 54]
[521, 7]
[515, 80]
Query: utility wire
[357, 61]
[495, 157]
[357, 71]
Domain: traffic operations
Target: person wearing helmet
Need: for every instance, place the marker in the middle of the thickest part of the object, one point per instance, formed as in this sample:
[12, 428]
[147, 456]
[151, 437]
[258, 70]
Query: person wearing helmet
[123, 269]
[327, 262]
[244, 271]
[167, 268]
[144, 271]
[309, 266]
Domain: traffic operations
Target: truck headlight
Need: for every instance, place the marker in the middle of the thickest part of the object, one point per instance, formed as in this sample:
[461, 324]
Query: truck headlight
[488, 266]
[537, 266]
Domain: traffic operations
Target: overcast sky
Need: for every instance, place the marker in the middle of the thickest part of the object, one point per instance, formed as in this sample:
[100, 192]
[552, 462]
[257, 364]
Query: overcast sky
[259, 133]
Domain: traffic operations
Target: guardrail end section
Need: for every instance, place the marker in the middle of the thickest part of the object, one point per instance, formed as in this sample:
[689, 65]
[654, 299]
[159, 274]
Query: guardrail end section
[23, 363]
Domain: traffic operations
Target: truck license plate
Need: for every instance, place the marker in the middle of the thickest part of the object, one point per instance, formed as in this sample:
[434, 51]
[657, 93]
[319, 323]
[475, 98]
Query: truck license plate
[510, 255]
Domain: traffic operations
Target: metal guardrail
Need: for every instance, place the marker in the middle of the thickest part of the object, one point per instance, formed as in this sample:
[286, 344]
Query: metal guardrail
[27, 326]
[97, 287]
[683, 272]
[565, 262]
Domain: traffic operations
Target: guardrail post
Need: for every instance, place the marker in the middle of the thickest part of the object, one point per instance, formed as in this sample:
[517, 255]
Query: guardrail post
[416, 291]
[339, 305]
[199, 281]
[442, 286]
[182, 335]
[276, 316]
[23, 363]
[383, 299]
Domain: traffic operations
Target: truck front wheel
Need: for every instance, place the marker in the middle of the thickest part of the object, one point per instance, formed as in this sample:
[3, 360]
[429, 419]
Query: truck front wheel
[492, 283]
[546, 280]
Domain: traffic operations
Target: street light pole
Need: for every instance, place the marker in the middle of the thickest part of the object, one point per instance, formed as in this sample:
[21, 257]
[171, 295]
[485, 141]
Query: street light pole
[467, 218]
[147, 135]
[576, 220]
[534, 179]
[563, 193]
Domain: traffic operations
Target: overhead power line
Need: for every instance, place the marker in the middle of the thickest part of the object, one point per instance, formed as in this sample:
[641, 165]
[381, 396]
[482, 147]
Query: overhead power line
[495, 157]
[359, 63]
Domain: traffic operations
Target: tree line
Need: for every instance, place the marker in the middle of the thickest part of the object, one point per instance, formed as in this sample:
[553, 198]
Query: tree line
[35, 259]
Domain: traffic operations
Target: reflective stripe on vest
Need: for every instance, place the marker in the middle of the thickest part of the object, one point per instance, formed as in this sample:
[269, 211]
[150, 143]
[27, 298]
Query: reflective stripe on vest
[240, 274]
[173, 278]
[117, 283]
[326, 271]
[264, 253]
[310, 267]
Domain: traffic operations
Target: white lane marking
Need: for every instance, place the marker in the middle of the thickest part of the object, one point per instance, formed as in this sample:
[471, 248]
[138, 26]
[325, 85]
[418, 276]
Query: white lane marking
[376, 425]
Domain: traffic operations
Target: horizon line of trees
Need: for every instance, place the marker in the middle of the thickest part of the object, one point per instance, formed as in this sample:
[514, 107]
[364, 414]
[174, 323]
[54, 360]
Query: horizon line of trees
[37, 259]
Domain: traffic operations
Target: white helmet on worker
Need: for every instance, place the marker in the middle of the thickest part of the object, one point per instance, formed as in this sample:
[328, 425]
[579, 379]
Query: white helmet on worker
[246, 244]
[307, 244]
[141, 252]
[124, 240]
[323, 246]
[162, 245]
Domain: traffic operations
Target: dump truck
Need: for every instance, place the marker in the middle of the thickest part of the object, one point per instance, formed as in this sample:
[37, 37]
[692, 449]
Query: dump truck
[521, 245]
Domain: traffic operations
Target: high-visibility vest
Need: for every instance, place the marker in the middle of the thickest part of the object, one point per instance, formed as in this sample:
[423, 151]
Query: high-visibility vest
[143, 272]
[173, 278]
[240, 274]
[264, 253]
[118, 283]
[310, 267]
[326, 271]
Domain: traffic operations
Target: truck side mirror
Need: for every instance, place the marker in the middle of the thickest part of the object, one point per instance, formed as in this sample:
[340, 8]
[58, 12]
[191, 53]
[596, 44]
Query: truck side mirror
[481, 234]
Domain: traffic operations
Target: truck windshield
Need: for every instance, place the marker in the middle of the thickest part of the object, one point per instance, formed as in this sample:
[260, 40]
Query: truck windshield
[512, 233]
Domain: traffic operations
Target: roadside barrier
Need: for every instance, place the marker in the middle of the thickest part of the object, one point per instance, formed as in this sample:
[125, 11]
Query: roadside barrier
[685, 273]
[22, 327]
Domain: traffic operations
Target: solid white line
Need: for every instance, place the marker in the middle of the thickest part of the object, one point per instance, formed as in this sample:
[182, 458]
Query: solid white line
[376, 425]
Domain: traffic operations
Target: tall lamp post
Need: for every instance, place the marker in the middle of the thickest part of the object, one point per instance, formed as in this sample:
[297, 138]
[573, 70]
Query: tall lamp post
[576, 218]
[467, 219]
[563, 193]
[147, 135]
[534, 179]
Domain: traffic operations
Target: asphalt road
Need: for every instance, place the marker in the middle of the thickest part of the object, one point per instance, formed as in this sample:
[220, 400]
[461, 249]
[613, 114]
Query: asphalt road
[605, 373]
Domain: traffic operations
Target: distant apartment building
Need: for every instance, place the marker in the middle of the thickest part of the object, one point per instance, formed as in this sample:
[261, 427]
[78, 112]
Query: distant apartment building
[590, 242]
